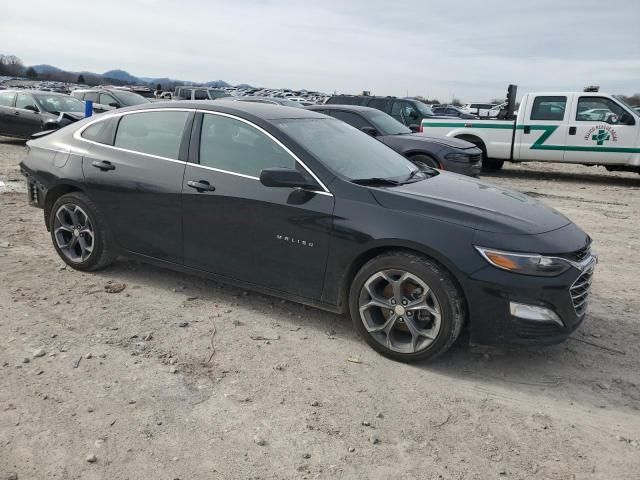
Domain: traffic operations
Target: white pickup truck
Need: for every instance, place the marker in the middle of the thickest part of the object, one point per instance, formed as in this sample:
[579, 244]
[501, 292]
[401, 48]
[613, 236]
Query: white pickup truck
[590, 128]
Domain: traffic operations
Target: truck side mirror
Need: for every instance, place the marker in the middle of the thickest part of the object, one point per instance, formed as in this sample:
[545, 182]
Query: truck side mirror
[612, 119]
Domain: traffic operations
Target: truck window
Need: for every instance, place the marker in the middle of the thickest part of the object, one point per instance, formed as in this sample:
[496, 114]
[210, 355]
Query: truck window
[201, 95]
[548, 108]
[597, 109]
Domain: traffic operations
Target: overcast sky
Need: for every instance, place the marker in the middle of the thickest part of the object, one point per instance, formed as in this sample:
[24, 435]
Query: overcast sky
[470, 49]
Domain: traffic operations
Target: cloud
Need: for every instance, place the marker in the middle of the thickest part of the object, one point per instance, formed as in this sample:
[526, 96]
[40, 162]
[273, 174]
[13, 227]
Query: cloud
[435, 48]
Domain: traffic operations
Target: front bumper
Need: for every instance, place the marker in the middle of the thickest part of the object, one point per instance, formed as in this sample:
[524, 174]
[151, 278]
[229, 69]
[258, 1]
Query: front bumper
[492, 293]
[471, 166]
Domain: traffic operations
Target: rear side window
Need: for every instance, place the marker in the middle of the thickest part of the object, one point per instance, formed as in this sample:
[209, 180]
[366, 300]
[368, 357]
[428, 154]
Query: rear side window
[201, 95]
[153, 133]
[352, 119]
[91, 97]
[548, 108]
[381, 104]
[6, 99]
[233, 146]
[101, 132]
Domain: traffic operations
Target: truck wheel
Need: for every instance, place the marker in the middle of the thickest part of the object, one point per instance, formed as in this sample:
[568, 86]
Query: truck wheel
[492, 163]
[424, 161]
[406, 306]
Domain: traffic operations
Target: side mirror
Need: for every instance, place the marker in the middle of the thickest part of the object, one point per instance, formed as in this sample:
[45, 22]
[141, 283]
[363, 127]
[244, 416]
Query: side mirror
[370, 131]
[282, 177]
[31, 108]
[414, 128]
[114, 105]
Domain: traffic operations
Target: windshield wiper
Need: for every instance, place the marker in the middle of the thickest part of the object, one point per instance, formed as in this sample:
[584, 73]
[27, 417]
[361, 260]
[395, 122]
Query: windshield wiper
[375, 181]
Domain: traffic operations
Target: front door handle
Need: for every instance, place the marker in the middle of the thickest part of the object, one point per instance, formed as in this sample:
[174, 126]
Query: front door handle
[16, 113]
[573, 130]
[103, 165]
[527, 129]
[201, 186]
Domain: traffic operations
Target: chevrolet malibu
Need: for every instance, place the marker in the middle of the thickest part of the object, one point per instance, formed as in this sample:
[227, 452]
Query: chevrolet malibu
[302, 206]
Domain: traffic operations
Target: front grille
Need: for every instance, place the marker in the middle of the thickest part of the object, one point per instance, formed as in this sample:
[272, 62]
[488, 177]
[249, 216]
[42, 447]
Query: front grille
[580, 255]
[528, 329]
[580, 290]
[475, 158]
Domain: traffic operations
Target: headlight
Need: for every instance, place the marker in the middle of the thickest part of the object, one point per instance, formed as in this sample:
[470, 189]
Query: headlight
[525, 263]
[457, 157]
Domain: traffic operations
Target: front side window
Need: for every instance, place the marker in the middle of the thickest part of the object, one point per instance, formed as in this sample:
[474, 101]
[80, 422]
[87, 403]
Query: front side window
[387, 125]
[548, 108]
[233, 146]
[106, 99]
[345, 150]
[129, 99]
[597, 109]
[6, 99]
[91, 97]
[201, 95]
[153, 133]
[24, 101]
[380, 104]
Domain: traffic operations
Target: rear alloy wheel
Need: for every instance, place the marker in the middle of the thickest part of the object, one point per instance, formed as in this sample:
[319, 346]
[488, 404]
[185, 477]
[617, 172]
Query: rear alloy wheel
[79, 233]
[406, 307]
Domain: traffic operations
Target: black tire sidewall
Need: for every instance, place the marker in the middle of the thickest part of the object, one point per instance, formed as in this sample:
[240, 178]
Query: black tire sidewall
[424, 160]
[99, 233]
[437, 280]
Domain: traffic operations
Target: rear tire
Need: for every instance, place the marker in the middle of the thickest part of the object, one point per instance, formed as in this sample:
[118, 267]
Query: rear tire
[406, 306]
[79, 233]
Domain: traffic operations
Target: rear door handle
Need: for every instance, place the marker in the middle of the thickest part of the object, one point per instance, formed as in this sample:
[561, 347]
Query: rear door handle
[201, 186]
[16, 113]
[572, 130]
[103, 165]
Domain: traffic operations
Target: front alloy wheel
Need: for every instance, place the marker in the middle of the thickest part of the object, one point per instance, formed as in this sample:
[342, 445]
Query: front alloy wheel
[406, 306]
[400, 311]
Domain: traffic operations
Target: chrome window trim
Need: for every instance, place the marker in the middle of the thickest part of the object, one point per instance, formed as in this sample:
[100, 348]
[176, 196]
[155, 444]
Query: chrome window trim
[77, 135]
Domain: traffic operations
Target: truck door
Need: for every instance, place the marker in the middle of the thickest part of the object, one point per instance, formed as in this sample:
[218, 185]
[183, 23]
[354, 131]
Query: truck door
[543, 131]
[600, 131]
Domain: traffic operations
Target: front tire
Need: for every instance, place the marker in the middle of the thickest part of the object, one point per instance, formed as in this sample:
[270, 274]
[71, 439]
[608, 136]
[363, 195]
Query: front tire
[79, 233]
[406, 306]
[423, 162]
[492, 164]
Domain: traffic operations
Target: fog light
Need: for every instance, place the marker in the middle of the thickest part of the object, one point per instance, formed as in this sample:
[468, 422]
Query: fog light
[534, 312]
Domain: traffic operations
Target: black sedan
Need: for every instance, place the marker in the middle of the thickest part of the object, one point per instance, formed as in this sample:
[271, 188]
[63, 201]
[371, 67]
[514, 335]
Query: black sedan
[424, 151]
[25, 112]
[302, 206]
[451, 111]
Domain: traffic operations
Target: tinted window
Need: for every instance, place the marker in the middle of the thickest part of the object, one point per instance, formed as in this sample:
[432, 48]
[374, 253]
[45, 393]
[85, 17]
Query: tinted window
[380, 104]
[155, 133]
[91, 97]
[24, 100]
[201, 95]
[597, 109]
[128, 99]
[106, 99]
[6, 99]
[234, 146]
[452, 112]
[60, 103]
[548, 108]
[386, 124]
[352, 119]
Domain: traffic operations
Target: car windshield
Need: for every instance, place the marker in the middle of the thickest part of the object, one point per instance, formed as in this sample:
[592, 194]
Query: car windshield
[129, 99]
[59, 103]
[387, 125]
[423, 109]
[621, 99]
[346, 150]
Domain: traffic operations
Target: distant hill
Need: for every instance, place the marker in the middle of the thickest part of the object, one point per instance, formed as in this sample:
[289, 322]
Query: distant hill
[44, 68]
[122, 76]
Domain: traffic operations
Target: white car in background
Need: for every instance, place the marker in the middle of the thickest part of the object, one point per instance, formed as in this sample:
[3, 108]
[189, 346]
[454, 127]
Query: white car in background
[481, 109]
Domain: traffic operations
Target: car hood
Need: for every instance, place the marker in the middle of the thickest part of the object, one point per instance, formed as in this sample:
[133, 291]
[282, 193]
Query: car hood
[465, 201]
[442, 140]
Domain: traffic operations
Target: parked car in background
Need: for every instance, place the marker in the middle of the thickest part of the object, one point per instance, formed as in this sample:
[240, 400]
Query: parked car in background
[480, 109]
[305, 207]
[409, 112]
[269, 100]
[198, 93]
[423, 151]
[451, 111]
[105, 99]
[25, 112]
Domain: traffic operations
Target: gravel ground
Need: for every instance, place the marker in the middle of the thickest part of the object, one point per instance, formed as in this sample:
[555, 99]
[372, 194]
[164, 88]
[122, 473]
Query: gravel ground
[176, 377]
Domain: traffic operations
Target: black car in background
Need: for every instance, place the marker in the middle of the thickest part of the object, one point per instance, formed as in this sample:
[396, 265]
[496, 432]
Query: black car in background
[105, 99]
[423, 151]
[451, 111]
[25, 112]
[302, 206]
[407, 111]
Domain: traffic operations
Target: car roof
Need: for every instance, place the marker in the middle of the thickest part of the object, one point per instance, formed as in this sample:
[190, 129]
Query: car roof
[44, 92]
[335, 106]
[264, 111]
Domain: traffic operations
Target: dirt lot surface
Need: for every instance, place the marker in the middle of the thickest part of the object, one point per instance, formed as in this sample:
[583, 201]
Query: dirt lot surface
[169, 379]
